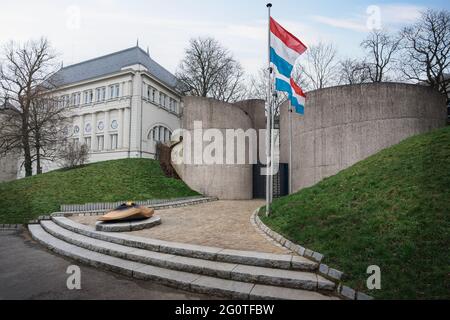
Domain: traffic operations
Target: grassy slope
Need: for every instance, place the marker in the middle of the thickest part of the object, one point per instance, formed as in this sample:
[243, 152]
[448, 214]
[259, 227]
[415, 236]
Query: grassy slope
[119, 180]
[391, 210]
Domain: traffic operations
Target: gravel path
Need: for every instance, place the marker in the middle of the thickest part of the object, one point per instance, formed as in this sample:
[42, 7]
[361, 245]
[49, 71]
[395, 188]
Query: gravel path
[223, 224]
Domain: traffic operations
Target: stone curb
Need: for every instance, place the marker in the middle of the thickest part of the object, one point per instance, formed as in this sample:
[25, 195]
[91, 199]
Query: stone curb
[229, 271]
[234, 289]
[112, 205]
[260, 259]
[11, 227]
[324, 270]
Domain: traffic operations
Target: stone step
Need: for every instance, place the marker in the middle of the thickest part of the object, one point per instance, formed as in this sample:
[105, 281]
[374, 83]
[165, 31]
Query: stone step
[281, 261]
[232, 271]
[178, 279]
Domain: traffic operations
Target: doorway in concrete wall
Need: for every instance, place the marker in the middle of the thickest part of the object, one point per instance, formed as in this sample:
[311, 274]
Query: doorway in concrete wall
[280, 182]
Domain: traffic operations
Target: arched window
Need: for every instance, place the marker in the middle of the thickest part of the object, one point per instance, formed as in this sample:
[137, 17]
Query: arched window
[160, 134]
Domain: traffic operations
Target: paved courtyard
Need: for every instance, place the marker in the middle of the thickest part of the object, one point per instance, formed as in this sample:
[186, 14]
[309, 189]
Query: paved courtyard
[223, 224]
[28, 271]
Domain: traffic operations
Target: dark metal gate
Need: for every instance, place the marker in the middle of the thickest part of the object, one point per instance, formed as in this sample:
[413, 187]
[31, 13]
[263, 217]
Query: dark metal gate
[280, 182]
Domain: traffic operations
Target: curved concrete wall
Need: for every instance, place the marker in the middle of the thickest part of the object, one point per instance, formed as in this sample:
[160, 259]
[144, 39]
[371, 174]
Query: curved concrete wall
[219, 180]
[8, 167]
[346, 124]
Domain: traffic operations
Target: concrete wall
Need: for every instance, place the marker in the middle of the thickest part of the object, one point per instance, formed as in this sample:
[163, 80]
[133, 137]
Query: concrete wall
[346, 124]
[219, 180]
[8, 168]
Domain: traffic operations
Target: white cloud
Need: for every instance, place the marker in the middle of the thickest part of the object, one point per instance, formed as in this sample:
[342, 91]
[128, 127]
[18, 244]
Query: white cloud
[351, 24]
[392, 16]
[400, 13]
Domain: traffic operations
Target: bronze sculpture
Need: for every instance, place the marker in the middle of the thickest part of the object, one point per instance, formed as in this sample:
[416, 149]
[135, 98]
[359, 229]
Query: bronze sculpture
[128, 212]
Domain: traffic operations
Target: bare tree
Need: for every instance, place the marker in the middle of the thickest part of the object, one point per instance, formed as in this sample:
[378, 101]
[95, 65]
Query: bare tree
[381, 48]
[427, 48]
[47, 123]
[209, 70]
[25, 73]
[320, 69]
[72, 155]
[353, 71]
[258, 87]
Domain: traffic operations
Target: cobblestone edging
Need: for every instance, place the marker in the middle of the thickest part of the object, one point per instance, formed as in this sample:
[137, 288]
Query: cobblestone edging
[324, 270]
[164, 204]
[11, 226]
[113, 205]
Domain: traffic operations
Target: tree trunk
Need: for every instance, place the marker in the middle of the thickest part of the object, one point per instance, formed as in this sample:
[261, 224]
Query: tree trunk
[26, 148]
[38, 160]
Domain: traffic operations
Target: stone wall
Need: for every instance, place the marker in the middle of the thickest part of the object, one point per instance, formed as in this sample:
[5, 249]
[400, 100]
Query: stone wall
[346, 124]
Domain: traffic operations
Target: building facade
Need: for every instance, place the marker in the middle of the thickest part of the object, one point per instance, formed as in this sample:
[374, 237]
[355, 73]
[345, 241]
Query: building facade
[119, 105]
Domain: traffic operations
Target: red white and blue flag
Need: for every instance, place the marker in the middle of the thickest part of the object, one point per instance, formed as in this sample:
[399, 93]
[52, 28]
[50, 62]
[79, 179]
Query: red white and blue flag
[284, 51]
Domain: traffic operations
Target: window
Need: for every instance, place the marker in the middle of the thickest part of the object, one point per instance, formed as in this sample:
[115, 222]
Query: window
[114, 139]
[76, 141]
[160, 134]
[88, 142]
[63, 101]
[76, 99]
[117, 91]
[173, 105]
[114, 91]
[150, 93]
[100, 94]
[162, 99]
[154, 94]
[88, 96]
[100, 143]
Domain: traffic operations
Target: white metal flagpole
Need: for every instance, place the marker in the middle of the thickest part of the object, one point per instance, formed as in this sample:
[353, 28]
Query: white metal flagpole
[268, 121]
[272, 147]
[290, 147]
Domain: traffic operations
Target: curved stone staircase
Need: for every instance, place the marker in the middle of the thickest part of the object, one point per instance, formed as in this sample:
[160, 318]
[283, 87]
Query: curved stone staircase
[220, 272]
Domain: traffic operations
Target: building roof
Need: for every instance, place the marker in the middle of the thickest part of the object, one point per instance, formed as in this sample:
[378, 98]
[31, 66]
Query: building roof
[113, 63]
[5, 106]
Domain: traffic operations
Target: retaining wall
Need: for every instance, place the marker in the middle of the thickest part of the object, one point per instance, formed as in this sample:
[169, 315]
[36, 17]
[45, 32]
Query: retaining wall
[224, 181]
[346, 124]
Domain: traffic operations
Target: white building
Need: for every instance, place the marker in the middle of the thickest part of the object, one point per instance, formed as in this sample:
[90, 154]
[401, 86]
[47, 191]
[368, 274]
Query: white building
[120, 105]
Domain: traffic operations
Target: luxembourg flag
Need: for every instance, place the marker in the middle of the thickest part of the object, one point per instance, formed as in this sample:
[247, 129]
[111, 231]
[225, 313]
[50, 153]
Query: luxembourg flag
[284, 51]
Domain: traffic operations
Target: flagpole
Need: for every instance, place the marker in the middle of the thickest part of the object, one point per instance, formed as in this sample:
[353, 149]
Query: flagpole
[290, 147]
[272, 146]
[268, 120]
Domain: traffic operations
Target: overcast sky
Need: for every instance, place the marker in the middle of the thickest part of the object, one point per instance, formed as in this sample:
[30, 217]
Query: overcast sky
[84, 29]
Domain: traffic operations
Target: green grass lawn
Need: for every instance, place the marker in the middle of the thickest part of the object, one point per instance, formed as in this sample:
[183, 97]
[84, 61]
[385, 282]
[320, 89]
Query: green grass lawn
[390, 210]
[110, 181]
